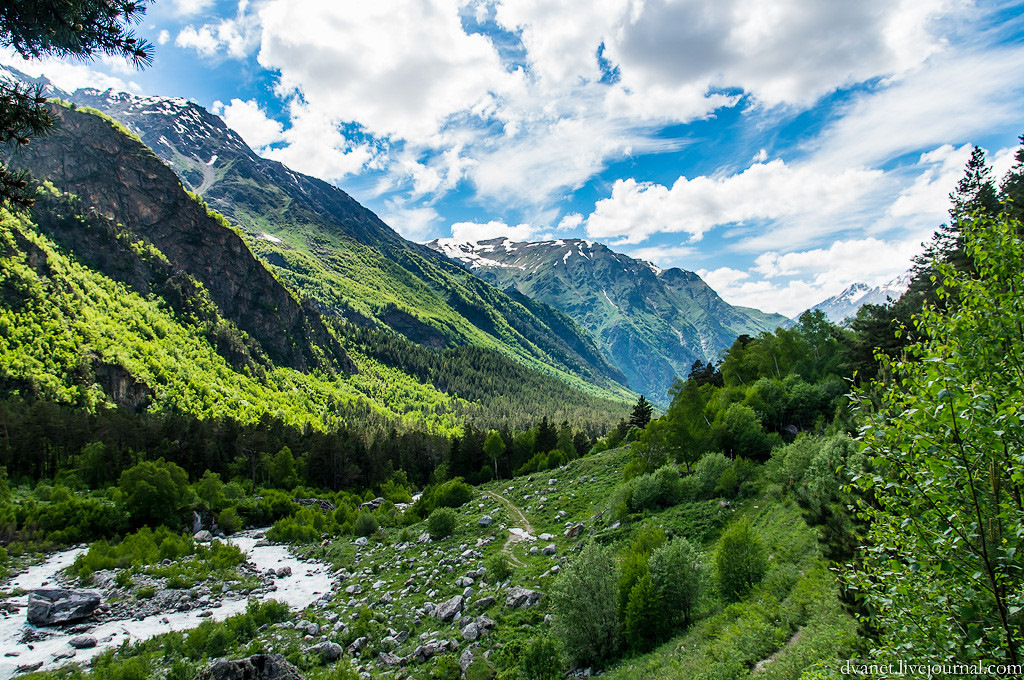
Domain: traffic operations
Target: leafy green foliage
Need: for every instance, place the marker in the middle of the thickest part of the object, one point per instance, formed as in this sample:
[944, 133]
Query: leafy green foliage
[584, 604]
[442, 523]
[945, 440]
[740, 561]
[154, 492]
[677, 573]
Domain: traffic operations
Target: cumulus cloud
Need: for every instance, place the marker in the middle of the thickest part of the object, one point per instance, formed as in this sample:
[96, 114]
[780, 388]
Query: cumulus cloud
[234, 37]
[471, 232]
[314, 144]
[791, 282]
[764, 191]
[184, 8]
[663, 256]
[414, 223]
[249, 120]
[67, 76]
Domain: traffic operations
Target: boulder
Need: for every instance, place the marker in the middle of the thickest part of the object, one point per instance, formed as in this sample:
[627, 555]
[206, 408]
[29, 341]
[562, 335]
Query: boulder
[390, 659]
[466, 660]
[29, 667]
[550, 549]
[357, 645]
[362, 541]
[484, 602]
[307, 627]
[255, 667]
[328, 651]
[203, 536]
[51, 606]
[574, 531]
[485, 521]
[471, 632]
[447, 610]
[425, 652]
[519, 597]
[82, 642]
[284, 571]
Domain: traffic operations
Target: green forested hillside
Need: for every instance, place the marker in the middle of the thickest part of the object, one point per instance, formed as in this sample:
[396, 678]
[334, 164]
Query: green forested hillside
[339, 254]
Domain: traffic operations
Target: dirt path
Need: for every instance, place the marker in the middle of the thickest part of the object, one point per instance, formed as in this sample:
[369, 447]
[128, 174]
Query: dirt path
[524, 524]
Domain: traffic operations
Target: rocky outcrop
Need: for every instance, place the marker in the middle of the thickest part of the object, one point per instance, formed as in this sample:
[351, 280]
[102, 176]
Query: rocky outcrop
[522, 597]
[52, 606]
[447, 610]
[121, 178]
[255, 667]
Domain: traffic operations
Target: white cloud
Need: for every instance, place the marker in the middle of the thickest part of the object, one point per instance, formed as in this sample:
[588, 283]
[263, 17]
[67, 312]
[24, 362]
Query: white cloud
[414, 223]
[251, 122]
[663, 256]
[66, 76]
[183, 8]
[235, 37]
[764, 191]
[792, 282]
[164, 37]
[928, 196]
[399, 69]
[315, 145]
[570, 222]
[471, 232]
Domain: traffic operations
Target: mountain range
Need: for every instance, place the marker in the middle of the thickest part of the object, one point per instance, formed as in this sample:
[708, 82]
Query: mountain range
[844, 305]
[650, 323]
[597, 320]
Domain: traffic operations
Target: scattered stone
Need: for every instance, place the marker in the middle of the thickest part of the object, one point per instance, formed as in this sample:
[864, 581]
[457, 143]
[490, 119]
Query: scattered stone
[520, 597]
[60, 656]
[328, 651]
[357, 645]
[203, 536]
[466, 660]
[82, 642]
[354, 589]
[390, 659]
[284, 571]
[50, 606]
[307, 627]
[30, 667]
[552, 482]
[447, 610]
[362, 541]
[485, 521]
[550, 549]
[574, 531]
[255, 667]
[484, 602]
[471, 632]
[425, 652]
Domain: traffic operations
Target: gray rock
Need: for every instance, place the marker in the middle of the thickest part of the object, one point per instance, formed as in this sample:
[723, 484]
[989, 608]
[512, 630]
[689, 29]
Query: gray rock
[471, 632]
[50, 606]
[307, 627]
[425, 652]
[255, 667]
[357, 645]
[60, 656]
[390, 659]
[484, 602]
[574, 530]
[82, 642]
[447, 610]
[550, 549]
[284, 571]
[519, 597]
[362, 541]
[203, 536]
[328, 651]
[466, 660]
[485, 521]
[29, 667]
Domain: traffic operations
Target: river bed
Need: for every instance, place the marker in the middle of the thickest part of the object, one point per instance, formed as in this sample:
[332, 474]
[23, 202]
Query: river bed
[308, 582]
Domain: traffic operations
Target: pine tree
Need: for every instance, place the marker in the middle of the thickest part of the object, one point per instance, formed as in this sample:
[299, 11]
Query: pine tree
[641, 414]
[57, 28]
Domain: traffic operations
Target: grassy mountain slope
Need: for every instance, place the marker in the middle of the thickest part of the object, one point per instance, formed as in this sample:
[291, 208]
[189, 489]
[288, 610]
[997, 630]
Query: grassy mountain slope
[652, 324]
[340, 255]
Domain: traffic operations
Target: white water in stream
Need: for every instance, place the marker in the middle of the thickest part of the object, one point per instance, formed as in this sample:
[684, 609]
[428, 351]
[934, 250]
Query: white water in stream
[307, 583]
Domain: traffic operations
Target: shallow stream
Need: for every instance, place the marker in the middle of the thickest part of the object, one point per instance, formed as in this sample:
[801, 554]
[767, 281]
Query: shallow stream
[307, 583]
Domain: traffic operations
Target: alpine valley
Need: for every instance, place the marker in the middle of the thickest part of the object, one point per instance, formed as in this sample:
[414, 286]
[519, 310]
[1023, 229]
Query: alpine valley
[249, 432]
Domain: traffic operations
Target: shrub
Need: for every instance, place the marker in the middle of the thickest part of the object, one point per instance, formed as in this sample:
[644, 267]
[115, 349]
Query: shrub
[643, 622]
[541, 659]
[442, 523]
[229, 520]
[453, 494]
[678, 575]
[708, 471]
[447, 668]
[366, 524]
[740, 561]
[154, 491]
[499, 568]
[585, 609]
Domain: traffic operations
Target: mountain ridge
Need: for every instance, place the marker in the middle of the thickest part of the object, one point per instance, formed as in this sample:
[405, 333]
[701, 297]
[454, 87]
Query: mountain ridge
[651, 323]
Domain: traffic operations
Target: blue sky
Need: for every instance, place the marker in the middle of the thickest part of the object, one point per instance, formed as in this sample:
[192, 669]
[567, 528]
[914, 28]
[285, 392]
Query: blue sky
[783, 149]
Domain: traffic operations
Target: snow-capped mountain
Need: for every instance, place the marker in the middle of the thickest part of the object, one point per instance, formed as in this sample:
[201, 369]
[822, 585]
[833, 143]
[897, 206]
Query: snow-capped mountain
[845, 305]
[650, 323]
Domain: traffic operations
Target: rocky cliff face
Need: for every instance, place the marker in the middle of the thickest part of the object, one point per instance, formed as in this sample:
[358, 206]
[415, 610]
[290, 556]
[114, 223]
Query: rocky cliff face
[119, 177]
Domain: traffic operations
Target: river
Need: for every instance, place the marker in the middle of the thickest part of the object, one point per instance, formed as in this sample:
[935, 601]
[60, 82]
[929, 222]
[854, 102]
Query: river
[307, 583]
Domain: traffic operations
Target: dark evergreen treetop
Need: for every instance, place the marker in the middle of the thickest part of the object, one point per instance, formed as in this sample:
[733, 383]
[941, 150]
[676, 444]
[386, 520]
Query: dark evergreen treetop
[641, 413]
[57, 28]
